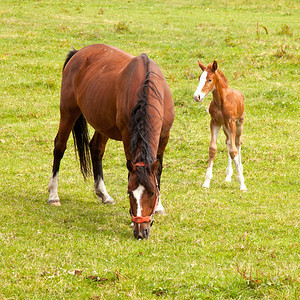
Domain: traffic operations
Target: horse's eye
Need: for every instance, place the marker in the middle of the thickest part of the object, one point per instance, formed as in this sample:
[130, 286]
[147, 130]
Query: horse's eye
[209, 80]
[150, 194]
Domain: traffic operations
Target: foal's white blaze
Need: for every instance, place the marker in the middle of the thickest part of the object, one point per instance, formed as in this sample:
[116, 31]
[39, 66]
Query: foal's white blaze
[137, 194]
[199, 95]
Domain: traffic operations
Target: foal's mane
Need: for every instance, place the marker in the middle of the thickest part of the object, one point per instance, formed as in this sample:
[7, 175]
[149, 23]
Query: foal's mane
[220, 73]
[141, 128]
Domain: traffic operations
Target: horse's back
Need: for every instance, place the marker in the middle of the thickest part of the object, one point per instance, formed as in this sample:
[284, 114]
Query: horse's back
[104, 82]
[90, 82]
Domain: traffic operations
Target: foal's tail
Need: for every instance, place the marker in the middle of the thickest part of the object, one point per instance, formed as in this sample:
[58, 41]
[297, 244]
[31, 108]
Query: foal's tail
[81, 143]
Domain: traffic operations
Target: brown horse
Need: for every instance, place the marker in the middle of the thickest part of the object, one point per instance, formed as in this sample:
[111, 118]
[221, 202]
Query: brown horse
[226, 110]
[124, 98]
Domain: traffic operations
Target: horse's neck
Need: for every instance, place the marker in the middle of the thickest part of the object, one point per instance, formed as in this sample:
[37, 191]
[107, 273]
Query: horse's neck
[219, 91]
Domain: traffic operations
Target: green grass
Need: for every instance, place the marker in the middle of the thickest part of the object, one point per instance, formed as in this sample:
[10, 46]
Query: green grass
[212, 244]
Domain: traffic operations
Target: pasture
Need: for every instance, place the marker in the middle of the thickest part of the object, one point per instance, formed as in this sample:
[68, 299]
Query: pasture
[212, 244]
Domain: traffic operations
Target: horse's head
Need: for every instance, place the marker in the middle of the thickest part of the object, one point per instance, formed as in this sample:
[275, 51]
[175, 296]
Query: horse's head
[207, 80]
[143, 196]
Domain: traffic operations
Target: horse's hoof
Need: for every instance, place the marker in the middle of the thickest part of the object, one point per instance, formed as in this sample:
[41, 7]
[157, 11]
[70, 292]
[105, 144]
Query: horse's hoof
[54, 202]
[160, 212]
[228, 179]
[243, 188]
[108, 200]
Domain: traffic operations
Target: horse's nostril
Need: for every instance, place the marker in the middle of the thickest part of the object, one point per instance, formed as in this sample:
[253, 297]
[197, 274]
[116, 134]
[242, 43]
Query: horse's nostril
[146, 233]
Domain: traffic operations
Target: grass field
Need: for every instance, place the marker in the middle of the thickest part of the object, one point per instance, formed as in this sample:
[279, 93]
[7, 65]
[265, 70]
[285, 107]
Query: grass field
[212, 244]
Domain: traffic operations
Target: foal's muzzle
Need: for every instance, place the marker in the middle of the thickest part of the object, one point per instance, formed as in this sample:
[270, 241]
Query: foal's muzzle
[197, 98]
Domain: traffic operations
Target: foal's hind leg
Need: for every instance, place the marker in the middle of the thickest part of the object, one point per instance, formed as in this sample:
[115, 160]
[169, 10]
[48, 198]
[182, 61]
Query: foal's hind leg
[60, 145]
[234, 132]
[238, 143]
[212, 152]
[229, 170]
[97, 147]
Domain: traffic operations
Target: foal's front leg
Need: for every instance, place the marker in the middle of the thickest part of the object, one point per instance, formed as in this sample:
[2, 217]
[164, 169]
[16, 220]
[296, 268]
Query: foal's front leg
[214, 129]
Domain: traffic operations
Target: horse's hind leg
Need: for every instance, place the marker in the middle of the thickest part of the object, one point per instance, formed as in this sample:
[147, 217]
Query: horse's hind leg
[97, 147]
[212, 152]
[60, 145]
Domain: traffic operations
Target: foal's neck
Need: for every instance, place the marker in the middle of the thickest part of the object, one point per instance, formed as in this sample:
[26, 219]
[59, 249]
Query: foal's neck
[218, 92]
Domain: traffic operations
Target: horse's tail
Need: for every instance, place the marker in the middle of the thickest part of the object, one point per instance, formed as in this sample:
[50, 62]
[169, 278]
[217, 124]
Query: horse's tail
[81, 143]
[69, 56]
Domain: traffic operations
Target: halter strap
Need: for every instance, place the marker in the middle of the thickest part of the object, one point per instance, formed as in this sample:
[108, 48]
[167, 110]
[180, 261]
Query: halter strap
[140, 164]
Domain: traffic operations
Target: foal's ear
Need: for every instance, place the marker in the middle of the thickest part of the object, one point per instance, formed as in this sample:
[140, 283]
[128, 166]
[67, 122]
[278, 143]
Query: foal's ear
[130, 166]
[155, 166]
[215, 66]
[202, 67]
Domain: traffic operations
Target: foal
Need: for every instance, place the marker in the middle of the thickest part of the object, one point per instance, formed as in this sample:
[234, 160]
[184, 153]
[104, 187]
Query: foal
[226, 110]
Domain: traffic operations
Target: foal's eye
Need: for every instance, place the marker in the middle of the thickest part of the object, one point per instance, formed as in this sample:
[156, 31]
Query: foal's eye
[209, 80]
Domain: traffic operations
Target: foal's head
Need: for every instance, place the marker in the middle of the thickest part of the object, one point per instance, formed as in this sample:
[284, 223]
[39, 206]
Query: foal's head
[143, 195]
[207, 80]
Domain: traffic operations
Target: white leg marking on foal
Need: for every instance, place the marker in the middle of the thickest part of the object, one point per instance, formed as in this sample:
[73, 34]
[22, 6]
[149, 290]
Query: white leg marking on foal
[240, 175]
[102, 192]
[208, 176]
[199, 95]
[229, 170]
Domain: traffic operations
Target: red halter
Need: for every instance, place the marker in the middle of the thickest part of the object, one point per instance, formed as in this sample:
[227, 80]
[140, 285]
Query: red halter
[150, 218]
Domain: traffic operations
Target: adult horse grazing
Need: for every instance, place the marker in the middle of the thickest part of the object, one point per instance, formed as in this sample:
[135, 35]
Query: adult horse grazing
[226, 110]
[124, 98]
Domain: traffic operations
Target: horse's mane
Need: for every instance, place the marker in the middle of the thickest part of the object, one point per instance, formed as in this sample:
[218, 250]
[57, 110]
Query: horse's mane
[141, 128]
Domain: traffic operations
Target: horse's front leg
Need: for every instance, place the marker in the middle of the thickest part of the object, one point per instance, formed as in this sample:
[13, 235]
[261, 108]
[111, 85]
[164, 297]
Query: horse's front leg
[234, 149]
[160, 154]
[214, 129]
[97, 148]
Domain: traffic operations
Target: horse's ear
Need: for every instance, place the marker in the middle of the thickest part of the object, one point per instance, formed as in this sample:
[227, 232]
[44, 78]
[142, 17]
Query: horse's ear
[215, 66]
[202, 67]
[130, 166]
[155, 166]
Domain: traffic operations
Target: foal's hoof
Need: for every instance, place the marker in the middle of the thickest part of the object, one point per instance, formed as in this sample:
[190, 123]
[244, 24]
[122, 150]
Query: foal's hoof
[205, 185]
[243, 188]
[54, 202]
[228, 179]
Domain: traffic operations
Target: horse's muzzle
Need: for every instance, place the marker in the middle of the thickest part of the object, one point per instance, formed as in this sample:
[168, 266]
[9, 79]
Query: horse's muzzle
[142, 231]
